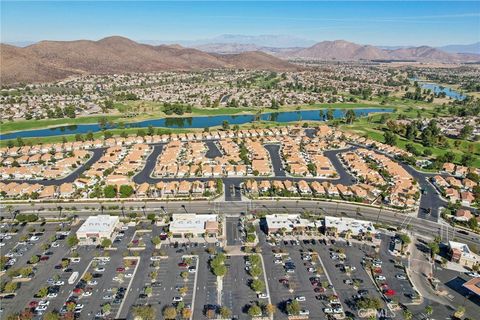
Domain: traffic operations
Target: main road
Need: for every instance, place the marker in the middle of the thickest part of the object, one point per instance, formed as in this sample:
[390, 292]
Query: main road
[235, 208]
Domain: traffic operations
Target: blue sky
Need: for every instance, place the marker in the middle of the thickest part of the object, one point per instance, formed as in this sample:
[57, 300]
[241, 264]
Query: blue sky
[378, 23]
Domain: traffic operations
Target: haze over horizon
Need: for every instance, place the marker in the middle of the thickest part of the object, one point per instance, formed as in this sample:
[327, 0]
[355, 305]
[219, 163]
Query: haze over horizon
[389, 24]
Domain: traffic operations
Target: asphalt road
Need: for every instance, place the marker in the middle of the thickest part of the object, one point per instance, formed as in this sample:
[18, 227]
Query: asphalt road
[97, 154]
[276, 160]
[234, 208]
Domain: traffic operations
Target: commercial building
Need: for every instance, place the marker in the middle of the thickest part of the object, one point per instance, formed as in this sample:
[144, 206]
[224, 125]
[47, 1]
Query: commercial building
[461, 254]
[194, 225]
[473, 285]
[346, 227]
[288, 223]
[97, 228]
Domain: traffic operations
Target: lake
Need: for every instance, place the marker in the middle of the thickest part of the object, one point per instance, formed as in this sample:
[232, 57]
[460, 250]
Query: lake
[449, 92]
[193, 122]
[437, 89]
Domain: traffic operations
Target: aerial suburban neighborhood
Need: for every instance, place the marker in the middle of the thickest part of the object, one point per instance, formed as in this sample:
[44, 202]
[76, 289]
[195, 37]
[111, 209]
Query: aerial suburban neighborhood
[240, 160]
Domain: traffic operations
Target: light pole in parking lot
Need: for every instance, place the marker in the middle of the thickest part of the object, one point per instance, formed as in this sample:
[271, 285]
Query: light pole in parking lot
[379, 211]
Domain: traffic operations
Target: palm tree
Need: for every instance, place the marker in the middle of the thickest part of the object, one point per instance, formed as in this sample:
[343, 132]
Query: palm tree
[429, 310]
[407, 314]
[59, 208]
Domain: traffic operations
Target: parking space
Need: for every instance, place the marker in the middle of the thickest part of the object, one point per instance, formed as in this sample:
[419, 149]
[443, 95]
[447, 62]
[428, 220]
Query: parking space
[38, 251]
[237, 294]
[396, 285]
[235, 231]
[351, 280]
[206, 288]
[169, 281]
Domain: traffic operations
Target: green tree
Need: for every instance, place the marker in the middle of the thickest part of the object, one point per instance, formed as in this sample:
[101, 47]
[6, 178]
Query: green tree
[34, 259]
[293, 308]
[72, 241]
[169, 313]
[110, 191]
[330, 114]
[225, 312]
[429, 310]
[350, 116]
[156, 240]
[434, 248]
[42, 292]
[106, 243]
[126, 191]
[390, 138]
[106, 308]
[52, 315]
[255, 271]
[225, 125]
[10, 287]
[257, 285]
[254, 311]
[407, 315]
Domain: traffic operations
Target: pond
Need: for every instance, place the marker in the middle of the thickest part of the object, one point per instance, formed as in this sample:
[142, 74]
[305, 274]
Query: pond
[195, 122]
[449, 92]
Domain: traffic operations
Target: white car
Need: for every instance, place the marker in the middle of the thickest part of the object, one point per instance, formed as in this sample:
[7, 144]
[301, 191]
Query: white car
[107, 297]
[380, 278]
[92, 282]
[473, 274]
[55, 245]
[304, 312]
[128, 275]
[87, 293]
[34, 238]
[262, 296]
[41, 308]
[44, 303]
[338, 310]
[300, 298]
[99, 269]
[277, 261]
[401, 277]
[79, 306]
[328, 310]
[75, 260]
[177, 299]
[52, 295]
[59, 283]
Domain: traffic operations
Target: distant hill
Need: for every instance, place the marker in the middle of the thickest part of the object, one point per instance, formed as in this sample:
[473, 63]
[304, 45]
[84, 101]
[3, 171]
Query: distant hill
[348, 51]
[53, 60]
[462, 48]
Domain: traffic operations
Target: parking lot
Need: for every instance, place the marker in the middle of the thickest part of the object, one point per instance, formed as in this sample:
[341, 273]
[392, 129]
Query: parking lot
[326, 277]
[237, 295]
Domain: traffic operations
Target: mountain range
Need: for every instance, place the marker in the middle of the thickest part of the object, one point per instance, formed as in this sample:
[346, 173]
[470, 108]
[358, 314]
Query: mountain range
[53, 60]
[341, 50]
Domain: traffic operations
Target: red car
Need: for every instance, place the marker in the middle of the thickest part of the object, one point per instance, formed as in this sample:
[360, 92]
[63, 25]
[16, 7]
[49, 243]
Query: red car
[120, 269]
[319, 289]
[183, 265]
[77, 291]
[44, 258]
[33, 304]
[390, 292]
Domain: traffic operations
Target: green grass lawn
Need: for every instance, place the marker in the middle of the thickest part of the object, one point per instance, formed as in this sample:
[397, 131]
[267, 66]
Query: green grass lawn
[373, 131]
[152, 110]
